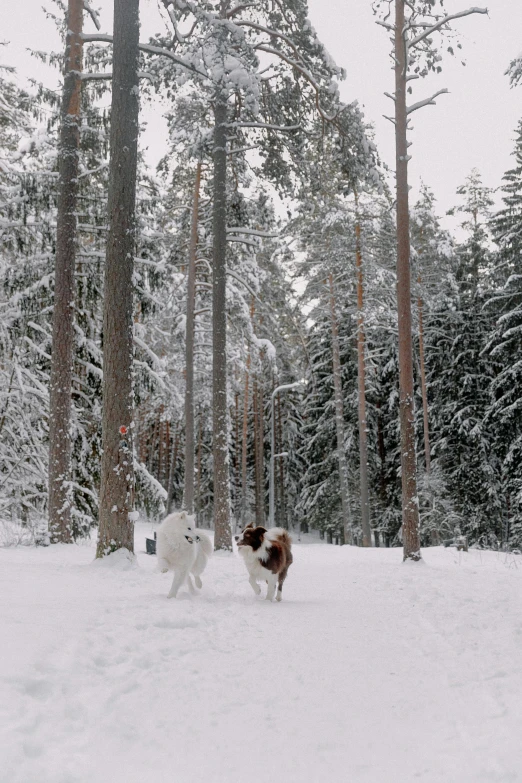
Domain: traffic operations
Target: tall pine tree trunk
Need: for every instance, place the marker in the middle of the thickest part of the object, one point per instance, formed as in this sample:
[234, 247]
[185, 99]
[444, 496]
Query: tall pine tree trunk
[237, 456]
[259, 442]
[410, 506]
[282, 501]
[244, 445]
[188, 492]
[117, 469]
[339, 416]
[172, 471]
[361, 379]
[60, 494]
[223, 534]
[198, 482]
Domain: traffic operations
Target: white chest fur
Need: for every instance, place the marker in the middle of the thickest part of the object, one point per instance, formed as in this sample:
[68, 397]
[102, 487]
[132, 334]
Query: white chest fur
[254, 565]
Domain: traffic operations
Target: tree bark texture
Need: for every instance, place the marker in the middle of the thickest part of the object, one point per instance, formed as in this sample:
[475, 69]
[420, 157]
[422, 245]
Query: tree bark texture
[117, 469]
[410, 507]
[361, 379]
[223, 533]
[60, 446]
[198, 482]
[172, 471]
[282, 503]
[244, 445]
[237, 458]
[188, 492]
[259, 440]
[339, 415]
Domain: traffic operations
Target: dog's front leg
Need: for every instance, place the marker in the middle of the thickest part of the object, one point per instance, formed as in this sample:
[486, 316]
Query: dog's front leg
[255, 586]
[163, 565]
[270, 592]
[179, 577]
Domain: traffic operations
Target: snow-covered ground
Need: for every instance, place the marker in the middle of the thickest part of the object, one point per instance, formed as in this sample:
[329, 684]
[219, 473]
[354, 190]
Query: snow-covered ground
[369, 670]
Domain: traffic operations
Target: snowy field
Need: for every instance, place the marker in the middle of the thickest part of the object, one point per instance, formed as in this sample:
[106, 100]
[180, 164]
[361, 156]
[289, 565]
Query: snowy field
[369, 670]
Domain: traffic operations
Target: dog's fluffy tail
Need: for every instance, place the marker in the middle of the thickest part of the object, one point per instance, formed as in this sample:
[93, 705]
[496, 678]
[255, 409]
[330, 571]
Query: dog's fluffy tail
[205, 544]
[281, 534]
[204, 552]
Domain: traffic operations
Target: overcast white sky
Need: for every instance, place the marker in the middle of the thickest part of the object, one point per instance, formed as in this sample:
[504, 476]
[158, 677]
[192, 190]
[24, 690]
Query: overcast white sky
[473, 126]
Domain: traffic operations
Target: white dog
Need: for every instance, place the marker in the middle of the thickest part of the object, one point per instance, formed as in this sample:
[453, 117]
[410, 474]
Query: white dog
[181, 549]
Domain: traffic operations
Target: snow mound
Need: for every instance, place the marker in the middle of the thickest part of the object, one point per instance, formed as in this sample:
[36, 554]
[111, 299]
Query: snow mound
[120, 560]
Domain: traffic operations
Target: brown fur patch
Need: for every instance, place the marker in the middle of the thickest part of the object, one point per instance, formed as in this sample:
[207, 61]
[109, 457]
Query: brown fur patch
[278, 550]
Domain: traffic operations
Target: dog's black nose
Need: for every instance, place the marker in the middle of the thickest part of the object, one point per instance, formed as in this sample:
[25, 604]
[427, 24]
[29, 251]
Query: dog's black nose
[236, 538]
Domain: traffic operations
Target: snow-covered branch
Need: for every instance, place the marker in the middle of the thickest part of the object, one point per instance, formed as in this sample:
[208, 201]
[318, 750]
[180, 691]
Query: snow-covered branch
[426, 102]
[273, 34]
[434, 27]
[238, 8]
[90, 77]
[251, 231]
[92, 13]
[149, 48]
[304, 72]
[240, 280]
[263, 125]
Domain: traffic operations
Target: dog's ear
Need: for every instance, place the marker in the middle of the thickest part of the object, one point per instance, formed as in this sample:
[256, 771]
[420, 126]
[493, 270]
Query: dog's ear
[261, 530]
[183, 515]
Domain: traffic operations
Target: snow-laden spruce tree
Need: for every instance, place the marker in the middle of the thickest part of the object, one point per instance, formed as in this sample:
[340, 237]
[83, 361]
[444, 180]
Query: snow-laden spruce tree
[433, 268]
[504, 413]
[28, 247]
[416, 50]
[332, 246]
[23, 382]
[28, 210]
[460, 372]
[252, 247]
[341, 162]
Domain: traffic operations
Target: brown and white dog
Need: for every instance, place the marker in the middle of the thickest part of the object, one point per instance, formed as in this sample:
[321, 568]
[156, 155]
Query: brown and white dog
[268, 556]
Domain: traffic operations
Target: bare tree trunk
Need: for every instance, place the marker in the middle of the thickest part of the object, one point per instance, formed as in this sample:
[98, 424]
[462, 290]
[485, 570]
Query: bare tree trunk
[410, 507]
[160, 445]
[427, 456]
[188, 493]
[339, 416]
[259, 452]
[166, 471]
[117, 469]
[223, 534]
[244, 487]
[198, 484]
[361, 377]
[237, 457]
[282, 504]
[152, 450]
[172, 471]
[60, 446]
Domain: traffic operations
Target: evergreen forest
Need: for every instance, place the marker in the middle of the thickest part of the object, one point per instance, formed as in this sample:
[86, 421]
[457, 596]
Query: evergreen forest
[260, 329]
